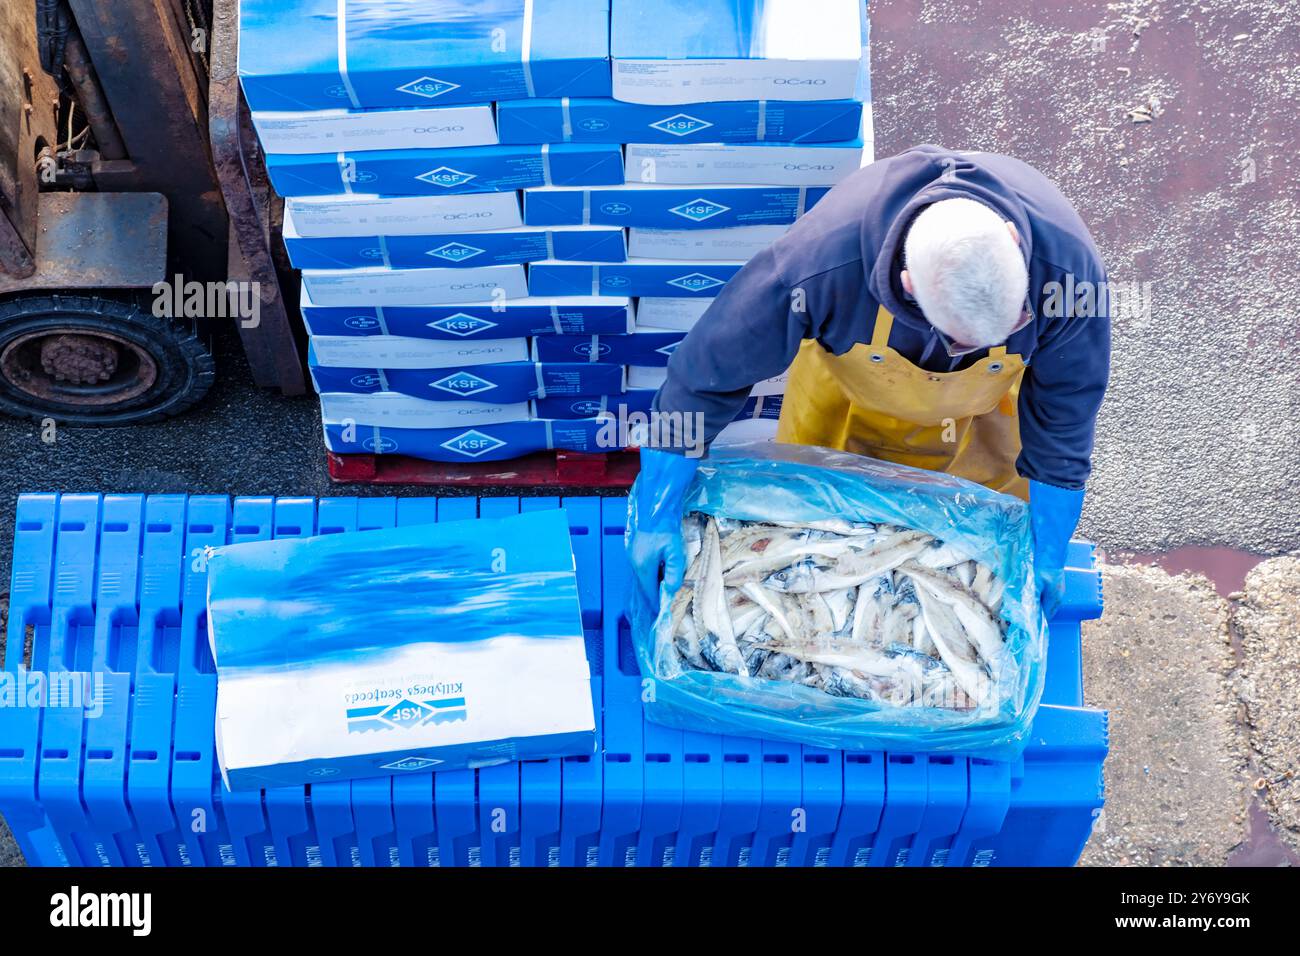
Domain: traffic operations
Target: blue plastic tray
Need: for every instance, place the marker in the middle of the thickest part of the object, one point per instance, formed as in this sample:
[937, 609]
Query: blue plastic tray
[112, 588]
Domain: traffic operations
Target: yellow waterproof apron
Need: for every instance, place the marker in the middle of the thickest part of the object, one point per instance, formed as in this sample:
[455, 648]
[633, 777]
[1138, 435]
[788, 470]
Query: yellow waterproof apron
[873, 402]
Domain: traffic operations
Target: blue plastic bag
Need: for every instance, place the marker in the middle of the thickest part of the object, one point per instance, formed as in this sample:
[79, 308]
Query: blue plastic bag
[793, 483]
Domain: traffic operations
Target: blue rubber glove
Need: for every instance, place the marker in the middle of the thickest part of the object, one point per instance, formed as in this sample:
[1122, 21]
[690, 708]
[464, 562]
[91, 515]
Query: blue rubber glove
[655, 526]
[1054, 514]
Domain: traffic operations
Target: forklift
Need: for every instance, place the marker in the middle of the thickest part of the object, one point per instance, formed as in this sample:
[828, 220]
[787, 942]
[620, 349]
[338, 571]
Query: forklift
[128, 169]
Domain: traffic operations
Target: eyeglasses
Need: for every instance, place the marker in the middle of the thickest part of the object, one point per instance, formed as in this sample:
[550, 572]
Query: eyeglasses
[957, 349]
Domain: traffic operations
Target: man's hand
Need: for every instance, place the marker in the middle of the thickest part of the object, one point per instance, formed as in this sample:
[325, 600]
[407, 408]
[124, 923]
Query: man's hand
[1054, 514]
[655, 521]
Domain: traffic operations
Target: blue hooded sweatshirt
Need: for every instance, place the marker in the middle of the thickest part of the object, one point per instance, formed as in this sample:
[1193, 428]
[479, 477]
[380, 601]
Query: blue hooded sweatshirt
[845, 256]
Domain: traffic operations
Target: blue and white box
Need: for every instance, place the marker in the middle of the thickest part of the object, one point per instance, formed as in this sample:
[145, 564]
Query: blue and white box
[686, 51]
[498, 247]
[634, 277]
[380, 286]
[439, 172]
[398, 651]
[611, 121]
[400, 352]
[480, 443]
[671, 313]
[322, 131]
[653, 376]
[367, 215]
[669, 207]
[395, 410]
[638, 401]
[738, 244]
[748, 164]
[645, 347]
[501, 384]
[510, 318]
[329, 54]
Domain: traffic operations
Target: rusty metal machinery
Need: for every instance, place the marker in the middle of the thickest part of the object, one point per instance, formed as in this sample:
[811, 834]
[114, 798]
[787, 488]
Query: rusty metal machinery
[119, 158]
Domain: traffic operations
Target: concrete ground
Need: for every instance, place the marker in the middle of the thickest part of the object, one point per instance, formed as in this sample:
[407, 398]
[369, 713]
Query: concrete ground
[1171, 127]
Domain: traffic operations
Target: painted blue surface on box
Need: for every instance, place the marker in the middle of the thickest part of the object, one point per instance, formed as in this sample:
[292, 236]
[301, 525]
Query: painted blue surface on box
[693, 797]
[594, 120]
[499, 247]
[501, 384]
[441, 172]
[480, 443]
[670, 207]
[510, 318]
[683, 51]
[635, 277]
[387, 651]
[326, 54]
[640, 348]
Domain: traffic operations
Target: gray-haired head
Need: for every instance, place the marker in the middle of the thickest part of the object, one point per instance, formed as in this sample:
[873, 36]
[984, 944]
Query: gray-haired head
[965, 268]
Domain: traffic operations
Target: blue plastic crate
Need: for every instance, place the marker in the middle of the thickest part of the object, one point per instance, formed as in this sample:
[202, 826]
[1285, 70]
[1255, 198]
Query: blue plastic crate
[112, 588]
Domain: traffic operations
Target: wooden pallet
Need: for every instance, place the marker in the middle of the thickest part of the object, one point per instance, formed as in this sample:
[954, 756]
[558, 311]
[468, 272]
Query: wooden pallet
[548, 468]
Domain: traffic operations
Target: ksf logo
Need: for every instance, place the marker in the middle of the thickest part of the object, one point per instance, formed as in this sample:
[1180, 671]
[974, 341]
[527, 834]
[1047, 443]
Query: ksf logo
[802, 167]
[797, 81]
[472, 443]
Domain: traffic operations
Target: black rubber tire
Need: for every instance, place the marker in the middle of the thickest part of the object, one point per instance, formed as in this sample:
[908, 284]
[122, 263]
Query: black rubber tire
[184, 365]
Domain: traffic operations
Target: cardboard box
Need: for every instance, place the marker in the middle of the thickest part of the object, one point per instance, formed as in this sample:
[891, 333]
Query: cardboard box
[502, 383]
[635, 277]
[395, 410]
[639, 376]
[398, 352]
[638, 400]
[440, 172]
[739, 244]
[341, 656]
[660, 312]
[482, 443]
[380, 286]
[499, 247]
[687, 51]
[778, 164]
[363, 215]
[645, 347]
[320, 131]
[509, 318]
[323, 54]
[612, 121]
[669, 207]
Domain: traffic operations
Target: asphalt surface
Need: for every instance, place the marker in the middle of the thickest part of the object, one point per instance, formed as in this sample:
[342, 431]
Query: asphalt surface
[1171, 127]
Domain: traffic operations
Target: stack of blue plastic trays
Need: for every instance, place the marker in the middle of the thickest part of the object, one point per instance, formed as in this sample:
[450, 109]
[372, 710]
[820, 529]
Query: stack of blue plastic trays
[107, 604]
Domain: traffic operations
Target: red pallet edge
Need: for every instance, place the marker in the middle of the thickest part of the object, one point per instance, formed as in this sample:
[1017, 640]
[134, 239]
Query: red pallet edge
[559, 468]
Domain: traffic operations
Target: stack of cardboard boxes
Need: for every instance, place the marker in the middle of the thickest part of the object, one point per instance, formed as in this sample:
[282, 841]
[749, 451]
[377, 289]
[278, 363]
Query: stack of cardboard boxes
[508, 213]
